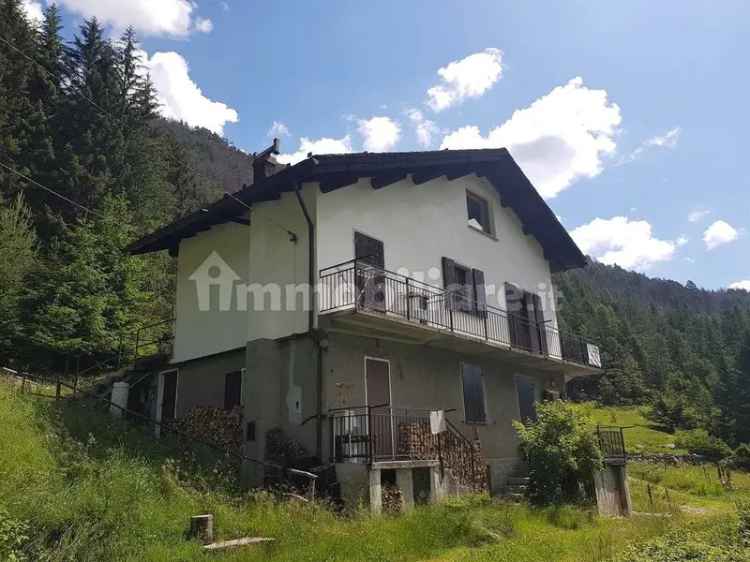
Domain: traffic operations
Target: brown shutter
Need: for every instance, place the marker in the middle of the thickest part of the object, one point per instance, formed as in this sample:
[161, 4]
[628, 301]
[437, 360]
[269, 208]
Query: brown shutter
[449, 279]
[539, 319]
[480, 294]
[513, 305]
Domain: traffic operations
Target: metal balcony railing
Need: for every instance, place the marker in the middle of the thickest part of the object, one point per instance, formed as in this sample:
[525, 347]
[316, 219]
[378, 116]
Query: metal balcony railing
[611, 442]
[360, 286]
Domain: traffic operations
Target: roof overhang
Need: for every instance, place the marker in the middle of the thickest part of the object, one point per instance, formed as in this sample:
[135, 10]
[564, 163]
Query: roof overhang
[335, 171]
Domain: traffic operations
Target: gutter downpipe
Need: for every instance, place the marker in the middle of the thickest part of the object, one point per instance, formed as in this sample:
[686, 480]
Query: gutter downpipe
[311, 324]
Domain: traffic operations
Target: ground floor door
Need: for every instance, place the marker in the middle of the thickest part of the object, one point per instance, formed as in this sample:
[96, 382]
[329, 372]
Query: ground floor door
[378, 385]
[526, 389]
[169, 396]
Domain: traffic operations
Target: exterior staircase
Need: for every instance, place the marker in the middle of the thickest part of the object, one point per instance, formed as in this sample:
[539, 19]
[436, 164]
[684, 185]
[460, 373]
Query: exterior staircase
[516, 487]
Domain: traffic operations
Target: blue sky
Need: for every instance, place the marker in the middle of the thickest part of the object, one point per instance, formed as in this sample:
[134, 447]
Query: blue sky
[631, 118]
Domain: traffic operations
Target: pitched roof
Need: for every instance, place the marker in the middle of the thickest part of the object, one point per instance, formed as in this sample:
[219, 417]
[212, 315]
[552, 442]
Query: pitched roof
[334, 171]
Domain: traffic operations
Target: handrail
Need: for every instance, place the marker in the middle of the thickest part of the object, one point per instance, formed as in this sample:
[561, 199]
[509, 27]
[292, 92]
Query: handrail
[346, 285]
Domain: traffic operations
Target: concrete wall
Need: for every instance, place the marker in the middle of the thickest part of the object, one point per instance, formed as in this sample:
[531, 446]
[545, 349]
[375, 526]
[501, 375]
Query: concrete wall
[201, 382]
[261, 258]
[428, 378]
[420, 224]
[219, 327]
[279, 391]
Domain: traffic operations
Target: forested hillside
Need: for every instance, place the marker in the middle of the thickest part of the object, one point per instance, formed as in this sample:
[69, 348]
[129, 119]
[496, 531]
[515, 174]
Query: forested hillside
[683, 349]
[86, 165]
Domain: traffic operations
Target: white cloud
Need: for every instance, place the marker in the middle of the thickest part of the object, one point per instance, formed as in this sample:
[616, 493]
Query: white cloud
[148, 17]
[224, 6]
[379, 134]
[278, 129]
[618, 240]
[33, 11]
[180, 98]
[466, 78]
[667, 140]
[698, 215]
[323, 145]
[204, 25]
[743, 285]
[559, 138]
[719, 233]
[682, 240]
[424, 128]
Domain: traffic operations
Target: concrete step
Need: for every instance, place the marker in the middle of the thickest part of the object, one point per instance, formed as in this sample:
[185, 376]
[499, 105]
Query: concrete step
[518, 481]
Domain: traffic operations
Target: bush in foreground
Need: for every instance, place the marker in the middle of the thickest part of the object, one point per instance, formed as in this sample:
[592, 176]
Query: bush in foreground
[561, 452]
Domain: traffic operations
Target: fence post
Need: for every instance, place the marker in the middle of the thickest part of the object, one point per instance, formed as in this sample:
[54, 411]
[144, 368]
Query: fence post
[408, 301]
[57, 388]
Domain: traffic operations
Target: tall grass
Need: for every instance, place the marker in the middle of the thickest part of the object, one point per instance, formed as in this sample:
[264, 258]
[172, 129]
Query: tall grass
[76, 484]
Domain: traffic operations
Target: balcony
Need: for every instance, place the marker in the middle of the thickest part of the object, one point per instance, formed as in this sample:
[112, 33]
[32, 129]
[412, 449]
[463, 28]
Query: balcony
[387, 436]
[388, 303]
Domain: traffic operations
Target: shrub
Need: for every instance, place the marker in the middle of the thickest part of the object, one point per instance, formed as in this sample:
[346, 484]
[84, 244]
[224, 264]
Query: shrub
[561, 452]
[699, 442]
[741, 457]
[672, 412]
[13, 536]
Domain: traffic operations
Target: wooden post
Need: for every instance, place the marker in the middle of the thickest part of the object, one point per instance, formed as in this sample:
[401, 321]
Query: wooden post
[202, 528]
[57, 388]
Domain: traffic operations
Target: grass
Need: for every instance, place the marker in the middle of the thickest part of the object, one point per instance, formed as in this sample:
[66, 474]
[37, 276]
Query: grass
[640, 436]
[76, 484]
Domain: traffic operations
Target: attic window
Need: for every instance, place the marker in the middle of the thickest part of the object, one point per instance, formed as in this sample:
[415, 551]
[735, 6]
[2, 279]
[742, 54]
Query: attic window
[478, 210]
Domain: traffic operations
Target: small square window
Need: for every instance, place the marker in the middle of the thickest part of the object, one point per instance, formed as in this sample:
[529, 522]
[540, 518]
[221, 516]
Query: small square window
[478, 212]
[473, 390]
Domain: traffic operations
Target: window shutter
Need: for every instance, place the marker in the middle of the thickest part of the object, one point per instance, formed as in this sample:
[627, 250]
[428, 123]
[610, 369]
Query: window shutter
[513, 305]
[480, 294]
[539, 319]
[449, 279]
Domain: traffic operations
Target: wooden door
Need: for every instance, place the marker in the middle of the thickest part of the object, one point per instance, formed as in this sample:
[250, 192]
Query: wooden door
[526, 390]
[369, 251]
[378, 381]
[169, 396]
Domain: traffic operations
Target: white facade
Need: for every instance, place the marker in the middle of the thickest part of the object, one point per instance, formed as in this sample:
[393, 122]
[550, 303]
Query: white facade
[418, 225]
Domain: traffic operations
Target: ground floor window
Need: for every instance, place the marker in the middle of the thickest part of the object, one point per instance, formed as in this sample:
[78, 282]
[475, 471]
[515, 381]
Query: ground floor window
[475, 410]
[526, 389]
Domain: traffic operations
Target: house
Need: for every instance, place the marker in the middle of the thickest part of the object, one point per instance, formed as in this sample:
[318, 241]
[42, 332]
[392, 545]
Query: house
[391, 313]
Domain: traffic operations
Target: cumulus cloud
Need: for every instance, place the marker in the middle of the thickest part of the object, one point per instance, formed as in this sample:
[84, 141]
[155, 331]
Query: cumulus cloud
[559, 138]
[629, 244]
[666, 140]
[742, 285]
[379, 134]
[148, 17]
[323, 145]
[425, 129]
[33, 11]
[278, 129]
[466, 78]
[719, 233]
[698, 215]
[180, 98]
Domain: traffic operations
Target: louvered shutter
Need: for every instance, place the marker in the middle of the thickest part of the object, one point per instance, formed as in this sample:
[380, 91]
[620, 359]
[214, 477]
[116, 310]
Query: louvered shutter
[449, 280]
[480, 294]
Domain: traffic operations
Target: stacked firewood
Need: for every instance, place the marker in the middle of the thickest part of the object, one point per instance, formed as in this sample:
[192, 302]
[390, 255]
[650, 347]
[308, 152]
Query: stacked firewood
[213, 425]
[463, 458]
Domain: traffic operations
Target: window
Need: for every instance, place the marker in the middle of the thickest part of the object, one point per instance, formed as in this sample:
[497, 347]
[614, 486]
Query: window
[473, 390]
[478, 211]
[465, 286]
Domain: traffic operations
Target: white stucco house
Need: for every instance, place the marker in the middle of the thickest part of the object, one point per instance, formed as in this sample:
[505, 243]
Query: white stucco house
[378, 298]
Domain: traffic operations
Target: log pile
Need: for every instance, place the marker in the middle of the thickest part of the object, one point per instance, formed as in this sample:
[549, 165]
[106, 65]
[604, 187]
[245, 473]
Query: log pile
[213, 425]
[461, 457]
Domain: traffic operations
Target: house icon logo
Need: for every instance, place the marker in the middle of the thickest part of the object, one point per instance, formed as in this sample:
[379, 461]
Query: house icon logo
[214, 271]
